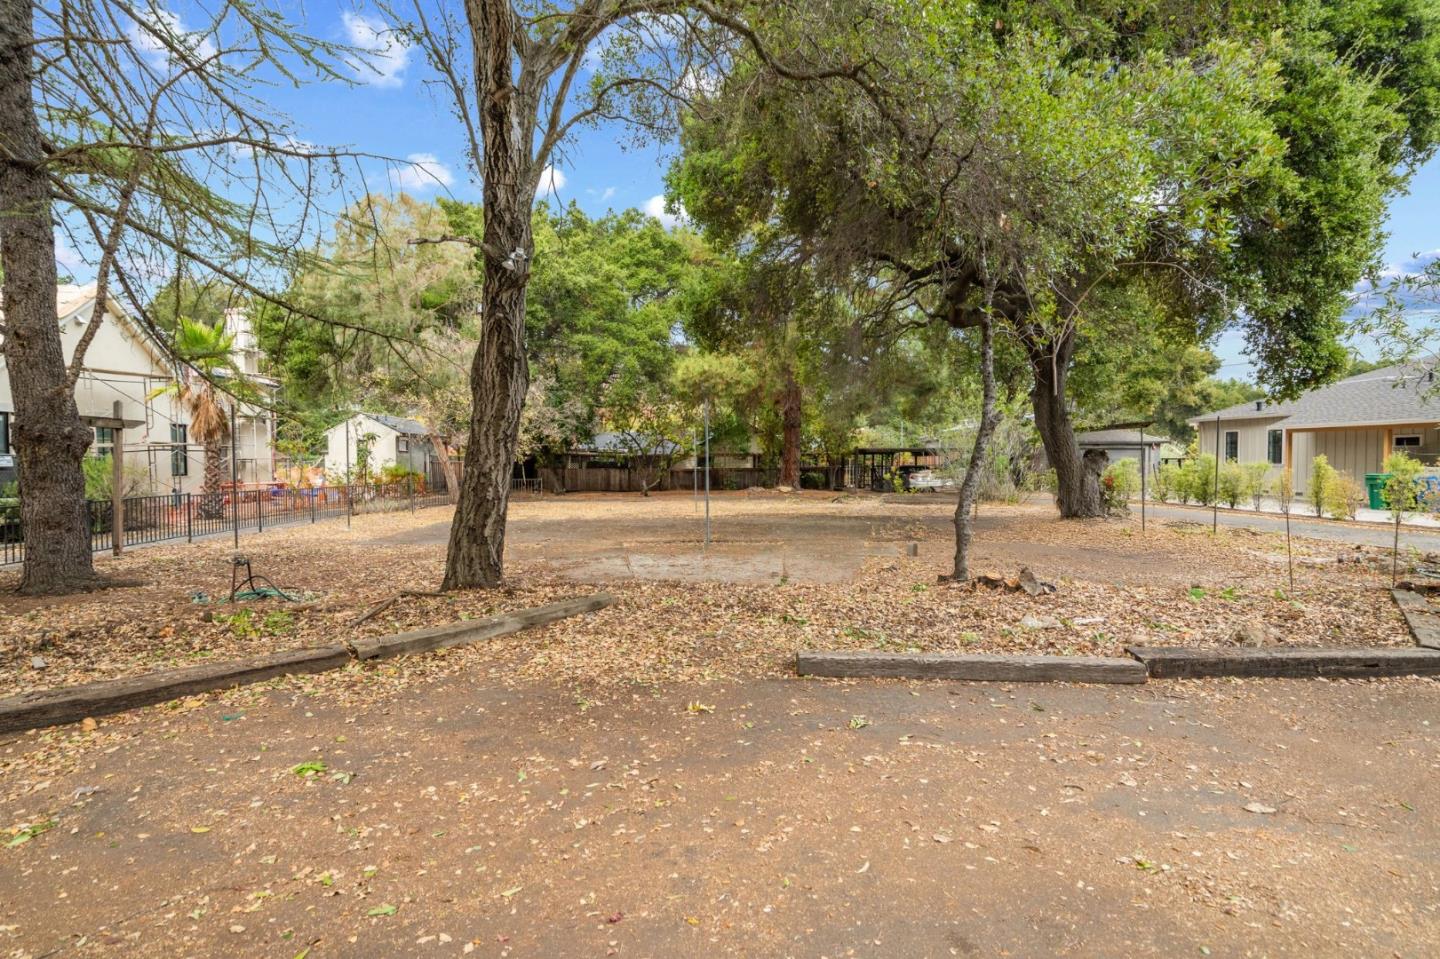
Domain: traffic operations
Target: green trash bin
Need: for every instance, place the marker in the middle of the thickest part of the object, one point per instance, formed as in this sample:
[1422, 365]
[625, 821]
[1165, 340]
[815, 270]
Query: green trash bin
[1375, 483]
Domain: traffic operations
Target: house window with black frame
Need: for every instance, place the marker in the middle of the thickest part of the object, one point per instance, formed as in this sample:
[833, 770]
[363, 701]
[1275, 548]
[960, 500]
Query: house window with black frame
[1276, 443]
[4, 433]
[402, 445]
[1407, 441]
[179, 450]
[104, 441]
[1232, 445]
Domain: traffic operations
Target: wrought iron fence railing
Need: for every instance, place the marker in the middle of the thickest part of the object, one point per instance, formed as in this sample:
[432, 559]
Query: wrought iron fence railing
[191, 516]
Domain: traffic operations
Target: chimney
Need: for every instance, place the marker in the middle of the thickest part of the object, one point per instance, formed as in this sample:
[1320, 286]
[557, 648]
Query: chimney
[1259, 405]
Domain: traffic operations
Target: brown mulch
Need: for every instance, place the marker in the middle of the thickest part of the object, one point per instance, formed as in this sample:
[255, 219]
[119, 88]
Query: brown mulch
[1175, 585]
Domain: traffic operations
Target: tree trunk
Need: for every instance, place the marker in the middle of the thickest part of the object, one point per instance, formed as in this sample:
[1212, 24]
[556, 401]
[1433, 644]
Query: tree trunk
[447, 467]
[211, 502]
[49, 437]
[790, 420]
[1077, 477]
[499, 374]
[970, 486]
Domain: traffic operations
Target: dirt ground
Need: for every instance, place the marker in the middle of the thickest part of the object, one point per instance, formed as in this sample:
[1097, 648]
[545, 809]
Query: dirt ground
[782, 573]
[651, 780]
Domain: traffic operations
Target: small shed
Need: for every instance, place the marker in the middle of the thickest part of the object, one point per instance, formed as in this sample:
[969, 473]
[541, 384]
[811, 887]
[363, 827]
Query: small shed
[1126, 443]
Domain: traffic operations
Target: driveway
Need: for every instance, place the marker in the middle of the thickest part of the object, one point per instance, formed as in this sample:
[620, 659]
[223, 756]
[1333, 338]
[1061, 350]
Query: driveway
[768, 818]
[1353, 534]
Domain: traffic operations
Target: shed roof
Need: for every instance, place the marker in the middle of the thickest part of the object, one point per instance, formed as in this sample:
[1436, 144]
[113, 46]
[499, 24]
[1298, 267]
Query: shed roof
[1118, 438]
[399, 424]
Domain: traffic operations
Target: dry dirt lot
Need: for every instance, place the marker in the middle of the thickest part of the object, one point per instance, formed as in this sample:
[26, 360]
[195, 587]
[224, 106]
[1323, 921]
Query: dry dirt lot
[649, 781]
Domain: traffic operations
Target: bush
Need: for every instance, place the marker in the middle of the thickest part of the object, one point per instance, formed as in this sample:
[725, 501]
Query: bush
[1344, 496]
[1233, 484]
[1167, 482]
[1402, 489]
[1119, 482]
[1257, 482]
[1322, 477]
[1199, 479]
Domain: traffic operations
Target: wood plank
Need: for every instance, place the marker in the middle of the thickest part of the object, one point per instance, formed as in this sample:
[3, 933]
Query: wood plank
[1181, 663]
[69, 704]
[973, 667]
[1420, 618]
[474, 630]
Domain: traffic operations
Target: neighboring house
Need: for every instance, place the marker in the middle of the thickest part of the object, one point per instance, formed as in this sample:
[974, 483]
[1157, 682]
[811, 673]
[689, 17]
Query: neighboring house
[1355, 423]
[124, 364]
[1119, 444]
[397, 441]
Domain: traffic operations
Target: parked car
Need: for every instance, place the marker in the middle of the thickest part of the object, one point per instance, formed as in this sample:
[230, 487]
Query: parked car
[928, 480]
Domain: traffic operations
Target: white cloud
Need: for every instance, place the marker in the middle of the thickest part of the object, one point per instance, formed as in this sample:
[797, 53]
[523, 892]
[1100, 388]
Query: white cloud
[386, 53]
[424, 172]
[607, 193]
[655, 206]
[552, 181]
[164, 32]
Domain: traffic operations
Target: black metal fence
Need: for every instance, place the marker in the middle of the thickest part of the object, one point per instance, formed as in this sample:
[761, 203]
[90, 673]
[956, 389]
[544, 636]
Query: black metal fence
[192, 516]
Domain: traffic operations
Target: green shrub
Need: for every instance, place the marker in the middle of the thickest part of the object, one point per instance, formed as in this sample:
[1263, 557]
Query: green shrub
[1119, 482]
[1343, 496]
[1199, 479]
[1232, 485]
[1322, 476]
[1402, 490]
[1167, 482]
[1257, 482]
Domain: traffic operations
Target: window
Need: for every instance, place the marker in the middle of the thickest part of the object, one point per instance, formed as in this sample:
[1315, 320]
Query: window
[1407, 441]
[1277, 447]
[1232, 445]
[104, 441]
[179, 453]
[402, 445]
[4, 433]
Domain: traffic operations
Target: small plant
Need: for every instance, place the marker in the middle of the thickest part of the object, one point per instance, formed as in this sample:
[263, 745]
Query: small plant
[1402, 495]
[1199, 479]
[1285, 494]
[1322, 475]
[1232, 484]
[1257, 483]
[1343, 496]
[1167, 481]
[858, 722]
[310, 769]
[1196, 593]
[1118, 484]
[278, 621]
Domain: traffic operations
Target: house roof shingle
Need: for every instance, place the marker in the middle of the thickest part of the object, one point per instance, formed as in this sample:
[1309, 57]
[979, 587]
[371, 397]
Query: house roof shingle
[399, 424]
[1391, 395]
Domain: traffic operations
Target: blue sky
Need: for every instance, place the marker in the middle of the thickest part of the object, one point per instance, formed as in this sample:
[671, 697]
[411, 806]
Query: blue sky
[392, 111]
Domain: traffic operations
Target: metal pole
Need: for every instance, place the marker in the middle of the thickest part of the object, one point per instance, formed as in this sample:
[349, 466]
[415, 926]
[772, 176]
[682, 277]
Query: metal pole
[348, 502]
[234, 476]
[1215, 487]
[117, 484]
[695, 475]
[189, 518]
[707, 472]
[1144, 467]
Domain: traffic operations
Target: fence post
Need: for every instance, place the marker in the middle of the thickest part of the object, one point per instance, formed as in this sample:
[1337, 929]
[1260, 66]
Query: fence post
[313, 493]
[189, 518]
[349, 505]
[117, 487]
[410, 487]
[260, 509]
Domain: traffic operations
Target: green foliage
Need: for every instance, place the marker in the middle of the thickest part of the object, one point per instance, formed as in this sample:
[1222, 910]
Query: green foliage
[1197, 480]
[1167, 482]
[100, 478]
[1232, 484]
[1344, 495]
[1322, 477]
[1119, 484]
[1256, 482]
[1402, 491]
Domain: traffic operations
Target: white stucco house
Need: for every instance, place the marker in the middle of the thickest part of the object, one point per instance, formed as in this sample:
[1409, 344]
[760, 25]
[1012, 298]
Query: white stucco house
[126, 365]
[393, 441]
[1355, 423]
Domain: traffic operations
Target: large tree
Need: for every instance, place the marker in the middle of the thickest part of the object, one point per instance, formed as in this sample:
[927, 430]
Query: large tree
[142, 140]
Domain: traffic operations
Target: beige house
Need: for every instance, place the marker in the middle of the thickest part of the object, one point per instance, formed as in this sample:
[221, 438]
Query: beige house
[125, 365]
[1355, 423]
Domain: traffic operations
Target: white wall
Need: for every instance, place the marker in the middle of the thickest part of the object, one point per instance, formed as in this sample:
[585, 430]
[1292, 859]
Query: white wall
[382, 450]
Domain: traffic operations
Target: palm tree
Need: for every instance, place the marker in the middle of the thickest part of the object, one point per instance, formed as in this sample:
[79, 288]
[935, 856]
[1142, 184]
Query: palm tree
[206, 352]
